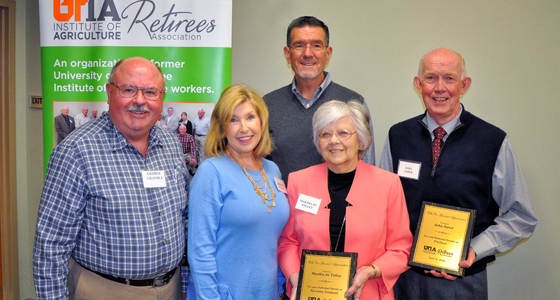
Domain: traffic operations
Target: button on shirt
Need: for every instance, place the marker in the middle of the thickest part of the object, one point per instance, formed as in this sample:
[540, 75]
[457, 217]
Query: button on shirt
[94, 208]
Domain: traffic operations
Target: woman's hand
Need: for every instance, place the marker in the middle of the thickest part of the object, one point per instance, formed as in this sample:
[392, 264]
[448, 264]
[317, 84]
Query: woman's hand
[362, 276]
[294, 278]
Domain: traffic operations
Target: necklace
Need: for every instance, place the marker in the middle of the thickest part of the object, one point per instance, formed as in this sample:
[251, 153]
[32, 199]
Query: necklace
[262, 194]
[341, 226]
[339, 234]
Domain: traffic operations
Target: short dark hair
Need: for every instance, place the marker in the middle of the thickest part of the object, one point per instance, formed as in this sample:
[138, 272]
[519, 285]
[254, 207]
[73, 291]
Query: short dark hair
[306, 21]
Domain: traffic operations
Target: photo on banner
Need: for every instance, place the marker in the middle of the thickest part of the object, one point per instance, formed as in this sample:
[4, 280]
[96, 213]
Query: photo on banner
[82, 40]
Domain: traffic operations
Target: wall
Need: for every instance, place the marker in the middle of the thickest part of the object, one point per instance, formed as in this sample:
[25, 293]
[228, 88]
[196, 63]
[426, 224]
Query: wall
[29, 137]
[512, 51]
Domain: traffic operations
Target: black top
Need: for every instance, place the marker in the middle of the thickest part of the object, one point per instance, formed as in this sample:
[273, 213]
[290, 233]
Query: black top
[339, 186]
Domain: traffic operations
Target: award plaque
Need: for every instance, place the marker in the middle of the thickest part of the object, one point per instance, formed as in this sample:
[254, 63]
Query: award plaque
[442, 238]
[326, 275]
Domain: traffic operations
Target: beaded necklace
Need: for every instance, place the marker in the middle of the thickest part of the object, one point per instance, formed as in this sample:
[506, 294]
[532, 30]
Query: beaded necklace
[263, 195]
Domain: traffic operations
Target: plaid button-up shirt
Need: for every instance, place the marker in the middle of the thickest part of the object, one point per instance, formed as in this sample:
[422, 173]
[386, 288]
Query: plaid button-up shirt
[187, 142]
[96, 209]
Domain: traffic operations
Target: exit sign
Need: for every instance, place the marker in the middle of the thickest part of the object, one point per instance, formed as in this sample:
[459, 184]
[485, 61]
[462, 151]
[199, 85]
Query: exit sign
[36, 101]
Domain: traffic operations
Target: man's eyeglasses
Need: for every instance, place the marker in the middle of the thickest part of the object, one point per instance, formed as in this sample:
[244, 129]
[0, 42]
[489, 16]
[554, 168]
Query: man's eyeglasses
[342, 135]
[300, 47]
[129, 91]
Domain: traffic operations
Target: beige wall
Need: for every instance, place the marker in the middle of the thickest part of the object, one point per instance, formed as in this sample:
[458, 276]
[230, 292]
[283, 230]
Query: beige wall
[29, 139]
[512, 51]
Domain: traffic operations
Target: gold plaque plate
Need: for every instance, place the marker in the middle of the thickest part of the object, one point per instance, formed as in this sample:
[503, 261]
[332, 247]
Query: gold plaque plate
[326, 275]
[442, 238]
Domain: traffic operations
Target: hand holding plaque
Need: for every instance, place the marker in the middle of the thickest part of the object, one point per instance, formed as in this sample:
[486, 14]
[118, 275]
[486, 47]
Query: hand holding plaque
[442, 238]
[325, 274]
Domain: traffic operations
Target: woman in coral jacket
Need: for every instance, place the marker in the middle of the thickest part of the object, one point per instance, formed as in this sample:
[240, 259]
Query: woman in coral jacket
[362, 208]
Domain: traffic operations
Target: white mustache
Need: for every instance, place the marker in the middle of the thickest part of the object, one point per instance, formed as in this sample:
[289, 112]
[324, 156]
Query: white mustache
[138, 108]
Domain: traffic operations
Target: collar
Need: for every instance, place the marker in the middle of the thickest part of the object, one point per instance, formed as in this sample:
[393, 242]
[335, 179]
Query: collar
[121, 142]
[449, 126]
[318, 91]
[351, 198]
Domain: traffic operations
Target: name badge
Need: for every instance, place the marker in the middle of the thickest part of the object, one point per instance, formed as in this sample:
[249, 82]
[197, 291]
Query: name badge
[409, 169]
[308, 204]
[280, 185]
[153, 179]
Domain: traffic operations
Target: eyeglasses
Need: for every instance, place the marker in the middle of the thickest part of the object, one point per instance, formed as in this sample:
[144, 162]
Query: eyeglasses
[300, 47]
[129, 91]
[342, 135]
[448, 79]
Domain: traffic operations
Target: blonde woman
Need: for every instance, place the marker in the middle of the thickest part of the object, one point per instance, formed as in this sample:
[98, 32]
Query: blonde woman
[236, 211]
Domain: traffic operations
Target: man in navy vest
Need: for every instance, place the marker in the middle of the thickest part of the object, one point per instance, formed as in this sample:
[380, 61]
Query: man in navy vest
[459, 160]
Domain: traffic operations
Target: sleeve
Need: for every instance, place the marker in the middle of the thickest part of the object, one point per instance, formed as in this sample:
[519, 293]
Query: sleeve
[193, 148]
[386, 162]
[369, 156]
[288, 244]
[174, 125]
[78, 121]
[394, 261]
[58, 128]
[58, 223]
[517, 220]
[205, 205]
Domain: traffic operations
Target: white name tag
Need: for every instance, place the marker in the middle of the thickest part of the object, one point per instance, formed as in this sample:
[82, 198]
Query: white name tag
[280, 185]
[409, 169]
[308, 204]
[153, 179]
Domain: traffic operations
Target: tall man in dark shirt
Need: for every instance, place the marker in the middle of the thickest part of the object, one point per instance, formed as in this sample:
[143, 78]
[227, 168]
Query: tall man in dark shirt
[291, 107]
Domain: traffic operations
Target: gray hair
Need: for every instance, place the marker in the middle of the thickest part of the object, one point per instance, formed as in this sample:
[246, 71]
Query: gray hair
[421, 66]
[118, 64]
[334, 110]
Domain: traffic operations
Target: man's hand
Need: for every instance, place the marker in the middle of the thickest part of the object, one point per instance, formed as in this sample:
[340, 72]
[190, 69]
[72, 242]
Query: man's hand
[467, 263]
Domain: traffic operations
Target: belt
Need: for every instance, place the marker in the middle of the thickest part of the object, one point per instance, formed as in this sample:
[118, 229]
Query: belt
[155, 282]
[200, 134]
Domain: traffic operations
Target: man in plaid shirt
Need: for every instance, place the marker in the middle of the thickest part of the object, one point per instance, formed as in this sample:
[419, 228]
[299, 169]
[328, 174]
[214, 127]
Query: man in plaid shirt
[112, 218]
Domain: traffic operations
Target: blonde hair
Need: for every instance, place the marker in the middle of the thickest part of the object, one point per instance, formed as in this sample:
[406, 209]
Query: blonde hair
[231, 98]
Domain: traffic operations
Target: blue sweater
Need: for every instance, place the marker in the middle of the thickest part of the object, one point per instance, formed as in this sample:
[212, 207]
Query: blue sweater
[232, 239]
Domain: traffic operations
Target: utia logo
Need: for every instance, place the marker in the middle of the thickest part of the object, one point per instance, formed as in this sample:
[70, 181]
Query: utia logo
[105, 24]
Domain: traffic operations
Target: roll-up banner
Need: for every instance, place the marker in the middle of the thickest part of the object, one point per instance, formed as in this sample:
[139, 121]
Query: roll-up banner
[81, 40]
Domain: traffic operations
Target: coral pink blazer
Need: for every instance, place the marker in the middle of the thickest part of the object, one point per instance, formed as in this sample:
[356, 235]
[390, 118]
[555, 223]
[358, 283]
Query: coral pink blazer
[377, 224]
